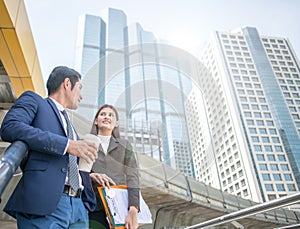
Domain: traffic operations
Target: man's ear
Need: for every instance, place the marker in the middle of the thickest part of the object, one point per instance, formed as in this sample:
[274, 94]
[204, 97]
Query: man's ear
[67, 83]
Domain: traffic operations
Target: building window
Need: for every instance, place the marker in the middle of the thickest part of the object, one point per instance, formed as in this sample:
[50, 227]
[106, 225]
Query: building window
[280, 187]
[274, 167]
[260, 122]
[291, 187]
[262, 131]
[241, 92]
[257, 148]
[250, 92]
[250, 122]
[234, 177]
[267, 115]
[288, 177]
[263, 167]
[266, 177]
[269, 187]
[284, 167]
[245, 106]
[277, 177]
[237, 78]
[268, 149]
[257, 115]
[243, 99]
[281, 158]
[241, 173]
[265, 139]
[237, 186]
[259, 93]
[271, 157]
[260, 157]
[243, 183]
[246, 78]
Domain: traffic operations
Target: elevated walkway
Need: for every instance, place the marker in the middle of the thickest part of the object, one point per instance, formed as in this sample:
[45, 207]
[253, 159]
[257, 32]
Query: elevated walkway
[175, 200]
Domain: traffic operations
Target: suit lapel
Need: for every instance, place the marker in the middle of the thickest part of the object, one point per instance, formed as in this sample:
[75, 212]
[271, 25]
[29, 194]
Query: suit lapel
[56, 111]
[101, 149]
[113, 143]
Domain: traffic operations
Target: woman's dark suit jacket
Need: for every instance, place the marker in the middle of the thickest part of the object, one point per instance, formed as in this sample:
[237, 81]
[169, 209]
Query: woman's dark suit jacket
[120, 164]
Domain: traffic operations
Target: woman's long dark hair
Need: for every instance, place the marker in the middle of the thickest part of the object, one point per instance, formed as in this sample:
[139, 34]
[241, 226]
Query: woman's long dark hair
[116, 130]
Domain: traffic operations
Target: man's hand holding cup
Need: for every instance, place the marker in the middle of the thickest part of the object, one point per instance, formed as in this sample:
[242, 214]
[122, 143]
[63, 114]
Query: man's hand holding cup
[89, 155]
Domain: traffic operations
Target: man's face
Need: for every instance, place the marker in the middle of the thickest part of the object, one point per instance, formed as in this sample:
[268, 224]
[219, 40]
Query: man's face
[74, 95]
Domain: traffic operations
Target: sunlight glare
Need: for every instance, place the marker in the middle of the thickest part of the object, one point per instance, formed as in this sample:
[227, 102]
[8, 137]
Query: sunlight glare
[186, 39]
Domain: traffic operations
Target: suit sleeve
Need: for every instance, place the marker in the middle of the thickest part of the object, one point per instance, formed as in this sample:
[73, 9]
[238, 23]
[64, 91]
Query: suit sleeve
[18, 126]
[88, 195]
[132, 177]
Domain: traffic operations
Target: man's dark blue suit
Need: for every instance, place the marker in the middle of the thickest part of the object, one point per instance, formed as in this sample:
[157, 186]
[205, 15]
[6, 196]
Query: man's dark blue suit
[37, 122]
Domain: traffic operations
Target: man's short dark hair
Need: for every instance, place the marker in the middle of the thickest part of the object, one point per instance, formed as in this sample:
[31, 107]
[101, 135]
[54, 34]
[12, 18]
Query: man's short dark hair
[58, 75]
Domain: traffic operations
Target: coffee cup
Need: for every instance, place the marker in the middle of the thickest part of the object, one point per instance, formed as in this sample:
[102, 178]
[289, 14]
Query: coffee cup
[83, 164]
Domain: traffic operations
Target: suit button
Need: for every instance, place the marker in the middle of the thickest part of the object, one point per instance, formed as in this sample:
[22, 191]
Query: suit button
[64, 170]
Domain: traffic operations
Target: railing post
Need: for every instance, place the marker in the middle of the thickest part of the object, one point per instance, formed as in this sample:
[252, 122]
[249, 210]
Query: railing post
[10, 161]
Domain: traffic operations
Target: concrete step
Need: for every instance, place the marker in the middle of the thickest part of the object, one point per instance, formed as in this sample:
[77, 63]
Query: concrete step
[8, 224]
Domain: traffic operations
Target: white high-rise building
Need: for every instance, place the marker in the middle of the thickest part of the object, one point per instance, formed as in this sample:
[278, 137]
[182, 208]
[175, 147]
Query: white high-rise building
[244, 115]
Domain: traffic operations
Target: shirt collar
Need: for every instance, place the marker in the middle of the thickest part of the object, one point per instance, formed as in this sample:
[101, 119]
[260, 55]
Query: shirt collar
[57, 104]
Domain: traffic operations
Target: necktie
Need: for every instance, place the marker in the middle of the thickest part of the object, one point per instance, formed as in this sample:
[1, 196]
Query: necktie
[73, 172]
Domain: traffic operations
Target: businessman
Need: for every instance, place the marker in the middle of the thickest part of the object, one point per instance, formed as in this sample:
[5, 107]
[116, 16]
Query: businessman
[52, 193]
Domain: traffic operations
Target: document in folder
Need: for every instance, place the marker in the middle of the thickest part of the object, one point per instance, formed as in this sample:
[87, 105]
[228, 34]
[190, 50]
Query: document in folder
[115, 202]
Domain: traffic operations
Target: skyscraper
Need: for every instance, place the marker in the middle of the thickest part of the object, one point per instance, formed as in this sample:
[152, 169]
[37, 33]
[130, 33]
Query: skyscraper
[246, 107]
[90, 48]
[121, 65]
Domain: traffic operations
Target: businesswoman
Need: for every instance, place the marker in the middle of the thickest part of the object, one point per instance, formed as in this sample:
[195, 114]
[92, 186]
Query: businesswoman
[116, 165]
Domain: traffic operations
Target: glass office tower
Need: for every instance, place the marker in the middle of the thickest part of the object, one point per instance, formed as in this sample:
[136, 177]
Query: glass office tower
[90, 47]
[124, 70]
[247, 106]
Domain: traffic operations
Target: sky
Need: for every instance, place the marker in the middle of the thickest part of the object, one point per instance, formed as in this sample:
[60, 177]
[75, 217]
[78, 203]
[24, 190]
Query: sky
[187, 24]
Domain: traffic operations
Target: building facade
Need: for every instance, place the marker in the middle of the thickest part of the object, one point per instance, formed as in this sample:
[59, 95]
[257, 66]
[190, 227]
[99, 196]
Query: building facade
[246, 106]
[121, 66]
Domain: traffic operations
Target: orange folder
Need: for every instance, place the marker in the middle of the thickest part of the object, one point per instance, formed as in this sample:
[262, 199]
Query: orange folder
[109, 215]
[116, 197]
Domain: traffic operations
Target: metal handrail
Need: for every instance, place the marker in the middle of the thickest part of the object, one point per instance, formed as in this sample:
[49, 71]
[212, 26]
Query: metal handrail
[11, 159]
[253, 210]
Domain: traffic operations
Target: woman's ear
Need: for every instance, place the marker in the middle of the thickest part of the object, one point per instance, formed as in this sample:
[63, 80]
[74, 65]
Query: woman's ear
[117, 124]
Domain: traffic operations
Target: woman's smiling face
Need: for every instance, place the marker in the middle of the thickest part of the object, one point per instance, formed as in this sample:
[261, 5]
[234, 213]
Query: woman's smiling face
[106, 121]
